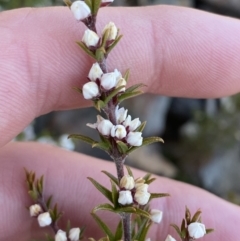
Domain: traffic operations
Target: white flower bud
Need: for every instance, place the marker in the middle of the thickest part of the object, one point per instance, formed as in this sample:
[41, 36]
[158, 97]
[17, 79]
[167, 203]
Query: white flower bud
[127, 182]
[132, 124]
[196, 230]
[142, 197]
[118, 131]
[121, 82]
[90, 38]
[112, 34]
[74, 234]
[139, 181]
[141, 187]
[156, 215]
[60, 236]
[90, 90]
[44, 219]
[108, 80]
[170, 238]
[35, 210]
[80, 10]
[104, 127]
[95, 125]
[134, 138]
[125, 197]
[95, 72]
[121, 114]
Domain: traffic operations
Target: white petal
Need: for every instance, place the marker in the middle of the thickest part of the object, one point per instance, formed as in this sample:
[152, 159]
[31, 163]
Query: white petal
[118, 131]
[90, 38]
[104, 127]
[127, 182]
[90, 90]
[35, 210]
[196, 230]
[134, 138]
[80, 10]
[95, 72]
[156, 215]
[74, 234]
[108, 81]
[44, 219]
[170, 238]
[60, 235]
[111, 27]
[125, 197]
[142, 197]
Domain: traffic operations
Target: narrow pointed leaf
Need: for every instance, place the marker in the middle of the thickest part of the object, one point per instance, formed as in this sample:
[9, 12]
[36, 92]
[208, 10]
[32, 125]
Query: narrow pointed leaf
[102, 146]
[129, 171]
[150, 180]
[99, 104]
[183, 229]
[113, 178]
[196, 216]
[122, 147]
[209, 230]
[89, 3]
[112, 94]
[104, 227]
[141, 127]
[176, 228]
[159, 195]
[83, 138]
[102, 189]
[96, 6]
[147, 176]
[142, 213]
[114, 194]
[48, 203]
[68, 3]
[187, 215]
[103, 207]
[77, 89]
[110, 48]
[129, 95]
[150, 140]
[134, 87]
[144, 233]
[86, 50]
[119, 231]
[140, 230]
[33, 195]
[126, 210]
[126, 75]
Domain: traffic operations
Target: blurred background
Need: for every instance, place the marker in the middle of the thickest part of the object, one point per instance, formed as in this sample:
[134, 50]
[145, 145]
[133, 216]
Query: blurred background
[201, 136]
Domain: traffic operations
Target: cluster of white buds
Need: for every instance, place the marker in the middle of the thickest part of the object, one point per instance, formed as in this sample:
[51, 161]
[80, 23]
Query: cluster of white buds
[124, 130]
[74, 234]
[196, 230]
[100, 82]
[136, 192]
[170, 238]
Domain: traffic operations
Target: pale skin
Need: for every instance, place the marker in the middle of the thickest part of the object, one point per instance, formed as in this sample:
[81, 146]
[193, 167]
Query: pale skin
[175, 51]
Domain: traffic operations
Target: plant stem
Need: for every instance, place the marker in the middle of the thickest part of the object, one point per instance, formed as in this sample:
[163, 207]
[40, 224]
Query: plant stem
[126, 219]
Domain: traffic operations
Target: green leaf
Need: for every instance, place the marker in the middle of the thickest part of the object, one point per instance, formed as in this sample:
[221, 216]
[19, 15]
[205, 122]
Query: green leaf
[110, 48]
[101, 145]
[102, 189]
[187, 215]
[85, 48]
[145, 232]
[68, 3]
[114, 194]
[122, 147]
[126, 75]
[183, 229]
[142, 226]
[196, 216]
[125, 210]
[103, 207]
[177, 229]
[33, 195]
[77, 89]
[104, 227]
[129, 95]
[113, 178]
[68, 227]
[142, 213]
[119, 231]
[129, 171]
[96, 6]
[150, 180]
[134, 87]
[141, 127]
[158, 195]
[150, 140]
[147, 176]
[48, 203]
[112, 94]
[99, 104]
[209, 230]
[83, 138]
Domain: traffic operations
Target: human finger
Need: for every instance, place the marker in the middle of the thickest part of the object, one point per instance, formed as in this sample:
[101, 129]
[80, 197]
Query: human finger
[175, 51]
[66, 179]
